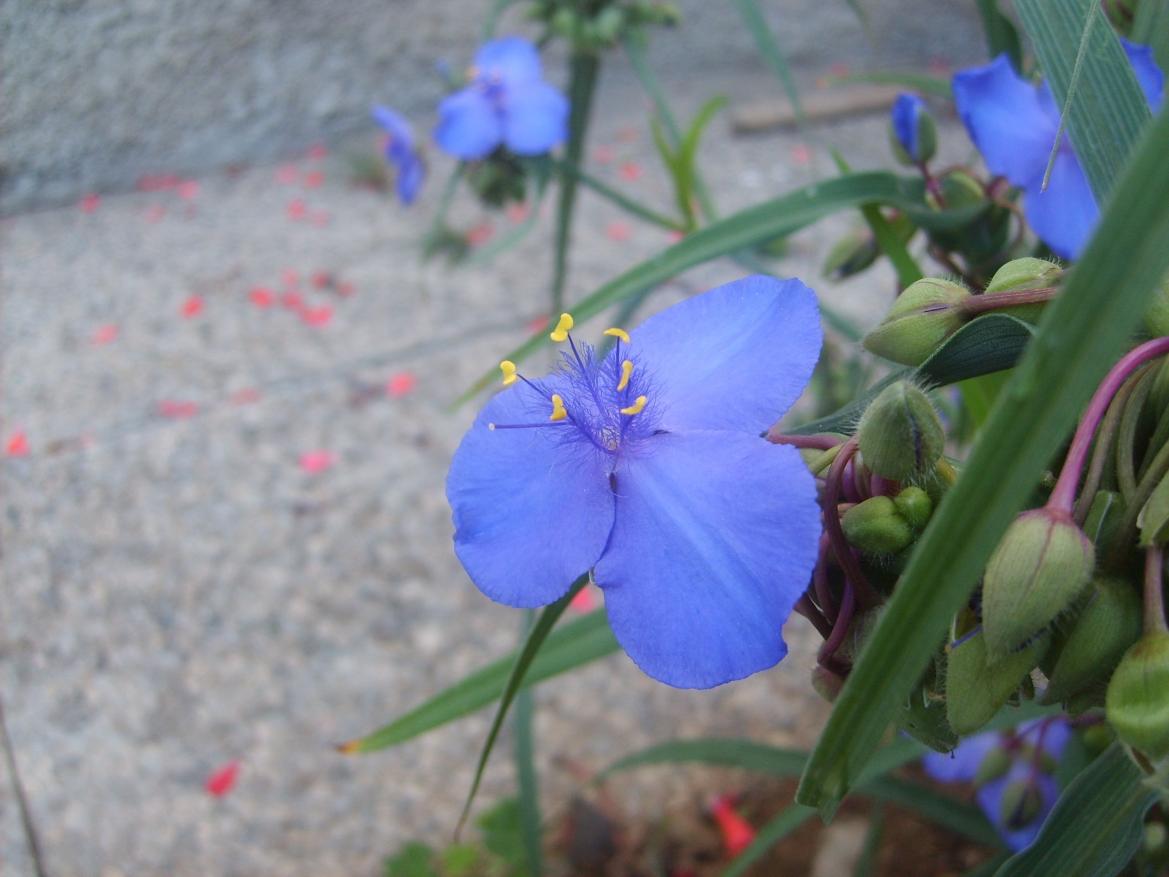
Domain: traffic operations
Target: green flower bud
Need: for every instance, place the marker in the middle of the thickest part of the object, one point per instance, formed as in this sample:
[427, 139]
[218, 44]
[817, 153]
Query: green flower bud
[912, 133]
[994, 765]
[1099, 637]
[1157, 316]
[851, 255]
[564, 23]
[875, 527]
[1021, 804]
[1041, 566]
[977, 687]
[1019, 275]
[915, 505]
[900, 436]
[927, 313]
[609, 24]
[1137, 703]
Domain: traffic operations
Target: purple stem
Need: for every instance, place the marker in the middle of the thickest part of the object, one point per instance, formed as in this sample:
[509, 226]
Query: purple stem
[820, 581]
[840, 547]
[1064, 495]
[879, 486]
[840, 626]
[808, 609]
[1155, 590]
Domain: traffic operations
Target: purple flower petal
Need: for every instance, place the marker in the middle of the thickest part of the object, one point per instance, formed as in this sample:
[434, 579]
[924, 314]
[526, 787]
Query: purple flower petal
[734, 358]
[714, 541]
[1063, 215]
[468, 125]
[411, 173]
[395, 124]
[1148, 74]
[535, 118]
[1008, 121]
[510, 60]
[532, 508]
[962, 764]
[907, 110]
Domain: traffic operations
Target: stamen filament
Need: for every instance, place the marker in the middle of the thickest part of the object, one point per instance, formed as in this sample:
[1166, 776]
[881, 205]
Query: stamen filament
[637, 407]
[626, 371]
[560, 333]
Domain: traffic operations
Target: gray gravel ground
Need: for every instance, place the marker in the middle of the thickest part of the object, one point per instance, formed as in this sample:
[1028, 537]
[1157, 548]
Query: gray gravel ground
[180, 593]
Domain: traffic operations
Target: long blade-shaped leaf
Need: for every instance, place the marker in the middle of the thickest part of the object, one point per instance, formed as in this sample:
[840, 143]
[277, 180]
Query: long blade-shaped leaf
[1080, 336]
[1001, 35]
[768, 47]
[527, 778]
[1095, 826]
[576, 643]
[1108, 111]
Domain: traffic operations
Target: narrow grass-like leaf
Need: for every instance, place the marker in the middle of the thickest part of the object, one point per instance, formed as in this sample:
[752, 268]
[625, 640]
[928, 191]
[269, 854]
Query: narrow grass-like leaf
[1001, 33]
[779, 827]
[1108, 111]
[577, 643]
[745, 229]
[866, 862]
[769, 48]
[1095, 826]
[629, 205]
[535, 639]
[958, 816]
[1081, 334]
[923, 83]
[1151, 28]
[527, 780]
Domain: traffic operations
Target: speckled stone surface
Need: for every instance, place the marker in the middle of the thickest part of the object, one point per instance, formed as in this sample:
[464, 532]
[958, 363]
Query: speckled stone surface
[180, 592]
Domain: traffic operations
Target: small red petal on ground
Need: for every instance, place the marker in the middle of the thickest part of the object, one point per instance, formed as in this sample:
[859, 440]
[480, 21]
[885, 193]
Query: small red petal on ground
[317, 316]
[314, 179]
[294, 301]
[401, 384]
[318, 151]
[321, 218]
[737, 833]
[287, 173]
[839, 69]
[346, 288]
[192, 307]
[222, 780]
[89, 203]
[188, 189]
[17, 445]
[321, 279]
[297, 209]
[262, 297]
[155, 213]
[604, 154]
[157, 182]
[315, 462]
[939, 67]
[175, 409]
[618, 231]
[480, 234]
[245, 396]
[290, 277]
[674, 235]
[631, 171]
[518, 212]
[627, 135]
[537, 324]
[801, 154]
[104, 334]
[584, 601]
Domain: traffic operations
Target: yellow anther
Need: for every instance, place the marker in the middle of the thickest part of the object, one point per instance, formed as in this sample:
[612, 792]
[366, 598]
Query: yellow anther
[509, 372]
[562, 326]
[559, 412]
[637, 407]
[618, 333]
[626, 371]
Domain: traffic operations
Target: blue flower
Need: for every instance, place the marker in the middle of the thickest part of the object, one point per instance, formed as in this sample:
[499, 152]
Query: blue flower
[401, 152]
[906, 117]
[506, 102]
[647, 466]
[1014, 124]
[1017, 794]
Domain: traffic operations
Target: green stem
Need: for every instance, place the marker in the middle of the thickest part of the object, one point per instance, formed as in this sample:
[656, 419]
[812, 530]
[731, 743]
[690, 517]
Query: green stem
[445, 199]
[1126, 436]
[525, 765]
[583, 67]
[1105, 436]
[1155, 591]
[1157, 470]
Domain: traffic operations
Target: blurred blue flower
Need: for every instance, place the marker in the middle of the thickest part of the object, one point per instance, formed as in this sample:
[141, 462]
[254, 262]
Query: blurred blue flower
[648, 467]
[906, 117]
[1014, 124]
[507, 101]
[401, 152]
[1014, 772]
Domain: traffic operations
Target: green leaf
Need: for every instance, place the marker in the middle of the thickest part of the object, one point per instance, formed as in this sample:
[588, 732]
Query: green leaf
[933, 86]
[687, 172]
[576, 643]
[745, 229]
[629, 205]
[768, 47]
[940, 809]
[1108, 111]
[1095, 826]
[1154, 517]
[502, 835]
[413, 860]
[1073, 348]
[1001, 34]
[866, 863]
[527, 781]
[779, 827]
[1151, 28]
[532, 643]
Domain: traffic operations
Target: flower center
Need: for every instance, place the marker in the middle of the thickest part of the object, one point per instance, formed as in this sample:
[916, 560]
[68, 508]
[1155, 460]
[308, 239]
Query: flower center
[604, 401]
